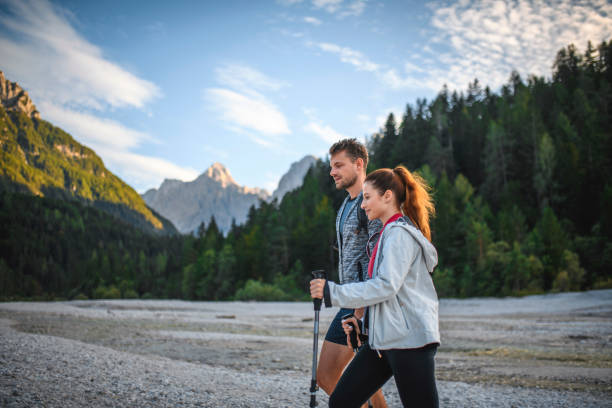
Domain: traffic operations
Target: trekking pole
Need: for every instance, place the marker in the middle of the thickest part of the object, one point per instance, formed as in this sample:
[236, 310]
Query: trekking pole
[318, 274]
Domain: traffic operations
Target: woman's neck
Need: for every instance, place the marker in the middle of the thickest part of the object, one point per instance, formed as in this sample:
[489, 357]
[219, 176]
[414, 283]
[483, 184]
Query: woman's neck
[388, 214]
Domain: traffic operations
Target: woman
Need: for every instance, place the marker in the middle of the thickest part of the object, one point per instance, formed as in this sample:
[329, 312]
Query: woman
[403, 333]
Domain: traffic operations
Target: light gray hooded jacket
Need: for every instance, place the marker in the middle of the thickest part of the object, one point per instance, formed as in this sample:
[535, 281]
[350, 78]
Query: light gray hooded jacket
[401, 295]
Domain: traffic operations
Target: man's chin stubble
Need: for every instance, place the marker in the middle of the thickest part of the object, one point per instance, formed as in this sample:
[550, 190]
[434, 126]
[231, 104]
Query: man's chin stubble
[348, 184]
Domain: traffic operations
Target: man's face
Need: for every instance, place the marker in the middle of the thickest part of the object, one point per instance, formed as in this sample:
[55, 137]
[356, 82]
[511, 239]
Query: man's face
[343, 170]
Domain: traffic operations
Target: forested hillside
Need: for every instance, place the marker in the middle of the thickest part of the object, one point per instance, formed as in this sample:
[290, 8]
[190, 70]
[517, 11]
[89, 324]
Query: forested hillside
[41, 159]
[521, 181]
[521, 178]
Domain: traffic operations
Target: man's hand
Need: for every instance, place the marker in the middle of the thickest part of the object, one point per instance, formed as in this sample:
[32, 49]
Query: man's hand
[316, 288]
[348, 329]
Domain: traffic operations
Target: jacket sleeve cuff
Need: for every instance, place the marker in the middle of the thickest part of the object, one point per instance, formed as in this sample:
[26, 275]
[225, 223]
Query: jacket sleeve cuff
[326, 295]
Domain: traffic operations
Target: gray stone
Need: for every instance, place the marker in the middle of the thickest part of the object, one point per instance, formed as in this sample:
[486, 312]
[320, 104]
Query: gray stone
[14, 98]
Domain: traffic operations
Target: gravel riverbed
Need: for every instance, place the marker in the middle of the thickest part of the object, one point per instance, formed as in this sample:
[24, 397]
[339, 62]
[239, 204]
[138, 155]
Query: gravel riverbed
[537, 351]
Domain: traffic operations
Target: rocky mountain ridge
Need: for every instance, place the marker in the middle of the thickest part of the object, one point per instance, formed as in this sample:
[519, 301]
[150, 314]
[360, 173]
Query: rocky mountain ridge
[216, 193]
[294, 177]
[213, 193]
[15, 98]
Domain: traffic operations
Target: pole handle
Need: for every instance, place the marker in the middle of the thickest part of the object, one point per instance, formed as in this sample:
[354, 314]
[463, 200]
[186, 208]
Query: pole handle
[318, 274]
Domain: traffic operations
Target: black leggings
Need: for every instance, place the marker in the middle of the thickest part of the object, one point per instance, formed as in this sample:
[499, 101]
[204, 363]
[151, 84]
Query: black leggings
[413, 370]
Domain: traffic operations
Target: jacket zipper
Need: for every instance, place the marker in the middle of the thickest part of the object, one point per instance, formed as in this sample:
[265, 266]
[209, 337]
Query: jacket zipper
[374, 273]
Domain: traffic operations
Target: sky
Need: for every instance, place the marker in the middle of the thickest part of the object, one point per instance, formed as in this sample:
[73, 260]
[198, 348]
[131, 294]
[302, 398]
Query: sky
[164, 89]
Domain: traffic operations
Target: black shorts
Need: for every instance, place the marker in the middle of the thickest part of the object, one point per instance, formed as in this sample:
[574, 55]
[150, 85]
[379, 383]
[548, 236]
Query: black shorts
[335, 333]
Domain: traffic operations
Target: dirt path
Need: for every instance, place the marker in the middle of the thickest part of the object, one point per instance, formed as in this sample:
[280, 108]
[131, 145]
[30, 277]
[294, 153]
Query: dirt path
[496, 352]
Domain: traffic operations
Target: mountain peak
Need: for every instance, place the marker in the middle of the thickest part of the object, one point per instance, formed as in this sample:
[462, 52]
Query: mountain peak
[220, 173]
[294, 177]
[14, 98]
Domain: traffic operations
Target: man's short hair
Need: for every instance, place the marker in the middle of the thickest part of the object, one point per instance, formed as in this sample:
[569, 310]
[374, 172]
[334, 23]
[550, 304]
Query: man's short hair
[354, 150]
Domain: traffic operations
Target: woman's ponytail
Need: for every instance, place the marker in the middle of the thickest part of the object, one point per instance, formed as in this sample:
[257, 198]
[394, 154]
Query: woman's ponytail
[411, 193]
[416, 202]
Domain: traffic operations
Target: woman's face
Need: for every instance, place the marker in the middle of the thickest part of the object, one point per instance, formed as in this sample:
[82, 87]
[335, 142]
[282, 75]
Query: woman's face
[374, 203]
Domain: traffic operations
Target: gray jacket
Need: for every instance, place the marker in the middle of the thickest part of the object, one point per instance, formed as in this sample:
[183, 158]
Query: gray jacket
[401, 295]
[351, 246]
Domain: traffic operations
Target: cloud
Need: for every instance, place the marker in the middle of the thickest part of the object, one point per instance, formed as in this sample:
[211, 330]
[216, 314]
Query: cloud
[312, 20]
[244, 108]
[325, 132]
[145, 171]
[331, 6]
[93, 130]
[337, 7]
[293, 34]
[489, 38]
[356, 8]
[72, 82]
[111, 140]
[247, 111]
[245, 79]
[388, 76]
[288, 2]
[395, 81]
[310, 113]
[350, 56]
[49, 57]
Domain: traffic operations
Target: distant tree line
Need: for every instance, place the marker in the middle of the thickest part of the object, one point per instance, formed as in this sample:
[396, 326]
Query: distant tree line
[521, 181]
[54, 248]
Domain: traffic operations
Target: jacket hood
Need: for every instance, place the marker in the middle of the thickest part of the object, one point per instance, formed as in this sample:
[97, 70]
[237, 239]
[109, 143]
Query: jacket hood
[429, 251]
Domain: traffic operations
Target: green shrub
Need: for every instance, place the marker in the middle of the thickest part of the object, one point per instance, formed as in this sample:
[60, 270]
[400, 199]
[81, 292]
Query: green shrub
[130, 294]
[99, 292]
[603, 284]
[287, 284]
[572, 276]
[561, 282]
[102, 292]
[256, 290]
[126, 288]
[113, 293]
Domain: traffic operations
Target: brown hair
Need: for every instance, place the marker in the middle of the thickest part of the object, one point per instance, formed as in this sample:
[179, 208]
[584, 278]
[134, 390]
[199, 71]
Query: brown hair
[411, 193]
[354, 149]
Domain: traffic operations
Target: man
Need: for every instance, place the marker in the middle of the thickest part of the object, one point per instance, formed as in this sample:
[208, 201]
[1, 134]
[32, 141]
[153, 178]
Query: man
[348, 160]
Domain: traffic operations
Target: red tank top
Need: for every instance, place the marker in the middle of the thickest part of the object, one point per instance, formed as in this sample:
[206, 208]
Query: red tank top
[373, 256]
